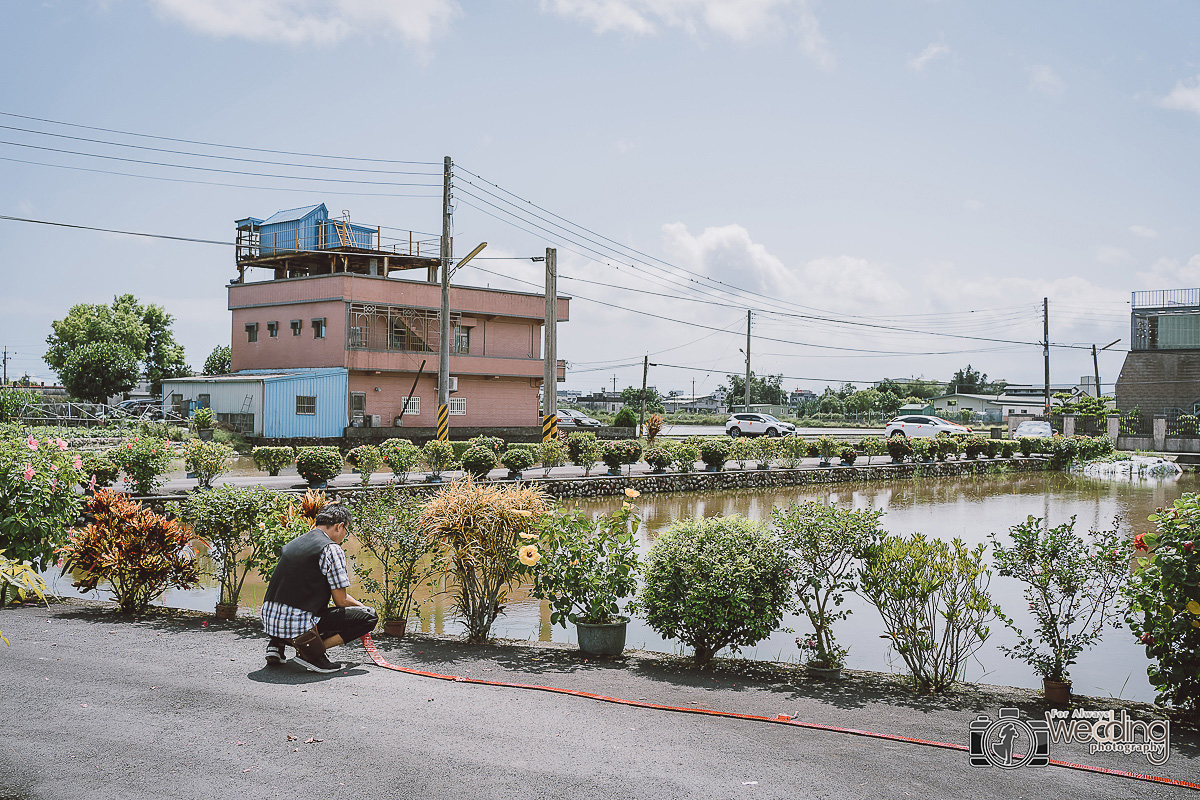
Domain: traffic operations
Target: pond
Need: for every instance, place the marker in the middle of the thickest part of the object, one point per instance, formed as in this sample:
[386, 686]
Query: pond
[969, 508]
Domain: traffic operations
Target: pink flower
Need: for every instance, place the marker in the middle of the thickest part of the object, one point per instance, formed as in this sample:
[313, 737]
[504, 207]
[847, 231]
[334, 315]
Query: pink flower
[92, 484]
[31, 442]
[1189, 546]
[62, 445]
[28, 472]
[78, 462]
[128, 446]
[135, 438]
[54, 484]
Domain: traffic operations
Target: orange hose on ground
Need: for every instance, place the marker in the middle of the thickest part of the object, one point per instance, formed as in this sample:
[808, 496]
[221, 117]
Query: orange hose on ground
[782, 719]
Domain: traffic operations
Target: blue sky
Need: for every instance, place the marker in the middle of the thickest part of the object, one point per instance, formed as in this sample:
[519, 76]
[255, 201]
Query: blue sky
[897, 164]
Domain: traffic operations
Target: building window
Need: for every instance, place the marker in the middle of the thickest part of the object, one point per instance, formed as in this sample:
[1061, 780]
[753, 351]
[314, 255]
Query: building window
[252, 332]
[177, 404]
[358, 338]
[412, 406]
[306, 405]
[297, 324]
[204, 401]
[462, 340]
[273, 329]
[458, 406]
[318, 326]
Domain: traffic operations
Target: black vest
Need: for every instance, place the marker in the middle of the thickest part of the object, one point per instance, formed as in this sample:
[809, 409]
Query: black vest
[297, 580]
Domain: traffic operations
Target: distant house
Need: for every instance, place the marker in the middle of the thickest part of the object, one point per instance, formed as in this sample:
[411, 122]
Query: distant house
[1161, 373]
[713, 402]
[994, 407]
[601, 401]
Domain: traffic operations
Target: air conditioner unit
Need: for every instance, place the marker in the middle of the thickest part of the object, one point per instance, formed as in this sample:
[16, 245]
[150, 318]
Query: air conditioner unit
[453, 384]
[376, 421]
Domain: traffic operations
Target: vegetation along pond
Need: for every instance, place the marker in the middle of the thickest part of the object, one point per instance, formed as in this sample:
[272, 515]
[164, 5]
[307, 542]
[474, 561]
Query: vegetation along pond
[969, 508]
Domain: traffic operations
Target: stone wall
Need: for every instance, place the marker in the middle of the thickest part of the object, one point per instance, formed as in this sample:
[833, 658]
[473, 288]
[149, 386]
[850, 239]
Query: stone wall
[419, 436]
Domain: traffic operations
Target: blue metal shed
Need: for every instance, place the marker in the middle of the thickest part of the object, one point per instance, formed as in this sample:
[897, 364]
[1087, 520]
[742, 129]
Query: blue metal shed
[306, 403]
[361, 234]
[293, 229]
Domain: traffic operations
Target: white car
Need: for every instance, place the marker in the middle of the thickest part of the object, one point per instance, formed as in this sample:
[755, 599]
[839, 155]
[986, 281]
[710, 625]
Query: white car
[758, 425]
[1033, 429]
[921, 427]
[569, 418]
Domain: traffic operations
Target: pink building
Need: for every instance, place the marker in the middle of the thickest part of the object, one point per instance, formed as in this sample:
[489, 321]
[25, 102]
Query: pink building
[385, 332]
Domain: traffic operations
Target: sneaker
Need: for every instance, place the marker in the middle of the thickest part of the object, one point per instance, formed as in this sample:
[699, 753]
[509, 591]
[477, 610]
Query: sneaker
[316, 662]
[275, 654]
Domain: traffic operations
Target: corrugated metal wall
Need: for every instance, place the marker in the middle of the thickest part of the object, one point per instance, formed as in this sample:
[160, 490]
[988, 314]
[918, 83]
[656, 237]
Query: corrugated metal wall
[303, 234]
[363, 236]
[225, 396]
[330, 387]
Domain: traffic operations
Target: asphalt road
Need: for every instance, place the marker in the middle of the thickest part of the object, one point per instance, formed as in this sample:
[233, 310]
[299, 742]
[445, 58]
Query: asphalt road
[97, 707]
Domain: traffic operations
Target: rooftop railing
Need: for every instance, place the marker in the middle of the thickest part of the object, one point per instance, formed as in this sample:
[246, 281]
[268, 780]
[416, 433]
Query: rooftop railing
[1167, 298]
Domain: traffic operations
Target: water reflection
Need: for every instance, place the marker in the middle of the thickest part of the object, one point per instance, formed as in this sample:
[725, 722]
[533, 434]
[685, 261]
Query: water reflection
[970, 508]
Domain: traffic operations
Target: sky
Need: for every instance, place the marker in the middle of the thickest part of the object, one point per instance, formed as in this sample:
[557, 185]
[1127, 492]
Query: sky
[877, 182]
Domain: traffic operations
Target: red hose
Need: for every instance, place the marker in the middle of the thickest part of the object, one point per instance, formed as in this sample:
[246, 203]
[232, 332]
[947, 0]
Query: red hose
[782, 719]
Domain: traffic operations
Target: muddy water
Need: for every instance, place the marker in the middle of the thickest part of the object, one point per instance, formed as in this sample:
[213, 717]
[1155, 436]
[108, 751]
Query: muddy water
[969, 508]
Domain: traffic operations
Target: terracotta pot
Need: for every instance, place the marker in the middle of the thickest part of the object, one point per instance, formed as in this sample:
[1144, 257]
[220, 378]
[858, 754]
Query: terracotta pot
[227, 610]
[1057, 692]
[395, 627]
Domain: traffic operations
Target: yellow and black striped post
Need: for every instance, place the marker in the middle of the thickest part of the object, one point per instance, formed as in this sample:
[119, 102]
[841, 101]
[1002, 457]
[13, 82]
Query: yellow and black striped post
[549, 427]
[443, 433]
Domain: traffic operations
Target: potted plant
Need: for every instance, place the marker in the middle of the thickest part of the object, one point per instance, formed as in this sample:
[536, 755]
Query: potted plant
[478, 461]
[826, 542]
[617, 454]
[144, 460]
[766, 450]
[586, 569]
[848, 455]
[551, 454]
[318, 465]
[401, 455]
[583, 449]
[367, 460]
[206, 460]
[1008, 448]
[272, 459]
[659, 458]
[827, 446]
[974, 446]
[1070, 584]
[517, 459]
[714, 452]
[922, 449]
[685, 453]
[899, 448]
[792, 451]
[228, 519]
[871, 446]
[203, 420]
[740, 451]
[437, 456]
[405, 559]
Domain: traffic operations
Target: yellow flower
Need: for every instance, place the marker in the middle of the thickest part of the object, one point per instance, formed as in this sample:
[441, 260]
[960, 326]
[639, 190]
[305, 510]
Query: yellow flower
[632, 493]
[1194, 607]
[529, 555]
[528, 535]
[521, 512]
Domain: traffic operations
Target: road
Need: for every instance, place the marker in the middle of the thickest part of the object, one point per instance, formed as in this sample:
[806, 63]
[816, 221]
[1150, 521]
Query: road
[808, 433]
[99, 707]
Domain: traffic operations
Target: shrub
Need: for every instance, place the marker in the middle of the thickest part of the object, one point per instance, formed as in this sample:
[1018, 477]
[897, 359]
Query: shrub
[1164, 597]
[848, 454]
[437, 456]
[37, 497]
[1029, 445]
[921, 448]
[98, 469]
[933, 598]
[484, 530]
[401, 455]
[583, 449]
[766, 450]
[1061, 449]
[144, 460]
[659, 458]
[587, 566]
[825, 542]
[291, 518]
[493, 443]
[203, 418]
[654, 426]
[1008, 448]
[551, 454]
[207, 459]
[228, 518]
[367, 459]
[899, 448]
[975, 446]
[992, 447]
[792, 451]
[827, 446]
[616, 454]
[1070, 584]
[685, 453]
[740, 451]
[272, 459]
[137, 553]
[871, 446]
[948, 446]
[625, 418]
[479, 461]
[318, 464]
[517, 460]
[19, 579]
[714, 452]
[387, 526]
[715, 582]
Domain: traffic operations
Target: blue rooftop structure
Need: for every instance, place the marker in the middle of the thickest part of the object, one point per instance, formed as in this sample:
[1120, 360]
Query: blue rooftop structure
[308, 228]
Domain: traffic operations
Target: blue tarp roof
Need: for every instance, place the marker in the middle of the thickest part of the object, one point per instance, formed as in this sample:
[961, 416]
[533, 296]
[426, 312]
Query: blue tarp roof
[292, 214]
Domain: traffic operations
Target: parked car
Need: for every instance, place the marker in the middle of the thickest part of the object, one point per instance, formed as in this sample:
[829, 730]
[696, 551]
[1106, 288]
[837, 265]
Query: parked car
[920, 427]
[1033, 429]
[758, 425]
[569, 418]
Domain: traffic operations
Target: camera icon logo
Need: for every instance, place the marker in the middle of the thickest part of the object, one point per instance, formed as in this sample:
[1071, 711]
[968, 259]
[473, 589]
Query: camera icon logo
[1009, 742]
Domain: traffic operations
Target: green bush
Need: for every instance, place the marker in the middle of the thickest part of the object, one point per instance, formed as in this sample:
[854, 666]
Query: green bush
[437, 456]
[685, 453]
[272, 459]
[517, 459]
[1029, 445]
[933, 598]
[494, 443]
[741, 450]
[659, 458]
[792, 451]
[401, 455]
[625, 418]
[617, 454]
[367, 459]
[37, 497]
[478, 461]
[975, 446]
[144, 460]
[551, 454]
[207, 460]
[848, 454]
[99, 465]
[871, 446]
[948, 446]
[715, 582]
[1061, 449]
[827, 447]
[899, 447]
[714, 452]
[583, 449]
[812, 449]
[921, 448]
[203, 418]
[765, 450]
[318, 464]
[1008, 448]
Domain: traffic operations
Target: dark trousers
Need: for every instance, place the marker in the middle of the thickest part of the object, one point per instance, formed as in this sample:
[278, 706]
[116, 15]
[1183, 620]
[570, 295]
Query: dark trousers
[349, 621]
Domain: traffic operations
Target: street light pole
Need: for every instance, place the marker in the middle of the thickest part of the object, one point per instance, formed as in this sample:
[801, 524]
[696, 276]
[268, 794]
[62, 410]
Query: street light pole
[443, 417]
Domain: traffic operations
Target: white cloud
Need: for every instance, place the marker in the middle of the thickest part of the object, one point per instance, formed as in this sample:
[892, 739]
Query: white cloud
[1171, 273]
[1107, 254]
[1184, 97]
[320, 22]
[1143, 231]
[931, 53]
[812, 40]
[1045, 80]
[624, 146]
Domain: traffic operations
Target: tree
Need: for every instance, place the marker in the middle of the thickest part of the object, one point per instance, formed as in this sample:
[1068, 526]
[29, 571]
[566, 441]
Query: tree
[98, 370]
[144, 329]
[217, 362]
[890, 403]
[968, 381]
[632, 398]
[923, 388]
[890, 386]
[767, 390]
[862, 401]
[830, 403]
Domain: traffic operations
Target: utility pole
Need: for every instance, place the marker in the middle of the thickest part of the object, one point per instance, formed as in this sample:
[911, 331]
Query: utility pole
[747, 409]
[5, 368]
[693, 395]
[1046, 349]
[1096, 370]
[443, 417]
[550, 351]
[645, 373]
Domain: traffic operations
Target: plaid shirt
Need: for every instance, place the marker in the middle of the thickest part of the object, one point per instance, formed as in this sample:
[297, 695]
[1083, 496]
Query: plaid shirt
[287, 622]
